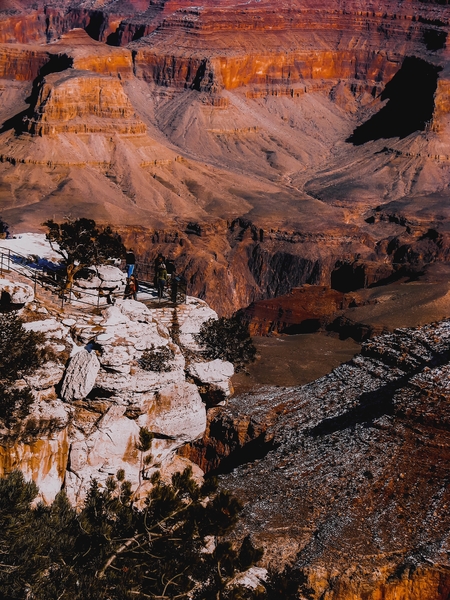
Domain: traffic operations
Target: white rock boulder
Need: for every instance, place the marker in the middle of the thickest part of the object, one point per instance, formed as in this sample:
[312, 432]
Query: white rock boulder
[107, 277]
[19, 293]
[214, 375]
[80, 376]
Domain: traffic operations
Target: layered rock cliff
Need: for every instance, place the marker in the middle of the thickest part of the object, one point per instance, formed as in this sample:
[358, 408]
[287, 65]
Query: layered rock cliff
[347, 477]
[264, 145]
[92, 395]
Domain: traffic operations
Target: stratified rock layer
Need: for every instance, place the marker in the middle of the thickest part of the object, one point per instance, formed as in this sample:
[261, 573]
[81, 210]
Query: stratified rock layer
[264, 145]
[348, 476]
[88, 411]
[81, 102]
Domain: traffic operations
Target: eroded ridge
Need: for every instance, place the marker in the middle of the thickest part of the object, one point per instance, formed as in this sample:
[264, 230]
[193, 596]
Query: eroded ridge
[353, 483]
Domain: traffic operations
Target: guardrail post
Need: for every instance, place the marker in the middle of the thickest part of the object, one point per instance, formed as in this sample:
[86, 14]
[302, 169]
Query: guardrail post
[9, 259]
[35, 282]
[1, 265]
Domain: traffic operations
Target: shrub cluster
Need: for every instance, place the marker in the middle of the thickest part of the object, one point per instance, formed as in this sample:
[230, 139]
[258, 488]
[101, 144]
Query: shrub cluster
[227, 339]
[158, 360]
[20, 355]
[111, 550]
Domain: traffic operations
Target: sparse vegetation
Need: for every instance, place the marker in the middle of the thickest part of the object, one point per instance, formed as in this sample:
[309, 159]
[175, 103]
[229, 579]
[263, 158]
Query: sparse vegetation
[81, 243]
[4, 229]
[20, 354]
[227, 339]
[157, 359]
[112, 550]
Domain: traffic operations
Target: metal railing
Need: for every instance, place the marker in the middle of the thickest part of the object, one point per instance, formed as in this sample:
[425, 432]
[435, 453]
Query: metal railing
[51, 276]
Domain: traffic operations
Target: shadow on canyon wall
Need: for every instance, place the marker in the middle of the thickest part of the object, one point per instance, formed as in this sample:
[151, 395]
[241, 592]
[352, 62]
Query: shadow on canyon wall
[410, 107]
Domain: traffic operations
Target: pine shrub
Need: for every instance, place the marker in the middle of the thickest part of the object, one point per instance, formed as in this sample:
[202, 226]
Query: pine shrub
[158, 360]
[227, 339]
[21, 353]
[111, 550]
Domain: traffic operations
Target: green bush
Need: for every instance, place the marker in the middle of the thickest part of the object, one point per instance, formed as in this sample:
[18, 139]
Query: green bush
[227, 339]
[157, 360]
[21, 353]
[110, 550]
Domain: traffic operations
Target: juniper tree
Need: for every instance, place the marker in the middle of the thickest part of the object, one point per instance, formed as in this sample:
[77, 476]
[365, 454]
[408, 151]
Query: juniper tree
[227, 339]
[81, 243]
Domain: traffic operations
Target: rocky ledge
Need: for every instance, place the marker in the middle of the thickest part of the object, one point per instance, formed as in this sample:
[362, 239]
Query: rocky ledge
[92, 396]
[347, 478]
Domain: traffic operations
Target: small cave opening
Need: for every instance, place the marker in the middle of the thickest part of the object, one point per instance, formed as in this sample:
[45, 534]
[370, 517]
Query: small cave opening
[410, 95]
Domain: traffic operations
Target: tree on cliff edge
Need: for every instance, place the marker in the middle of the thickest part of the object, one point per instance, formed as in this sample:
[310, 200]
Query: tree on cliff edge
[227, 339]
[81, 244]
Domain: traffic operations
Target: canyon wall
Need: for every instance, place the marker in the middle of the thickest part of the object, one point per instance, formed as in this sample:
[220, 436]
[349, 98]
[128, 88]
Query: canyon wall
[258, 144]
[346, 477]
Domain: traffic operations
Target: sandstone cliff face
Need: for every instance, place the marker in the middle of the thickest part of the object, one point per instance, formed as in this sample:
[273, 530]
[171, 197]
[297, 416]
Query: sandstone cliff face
[349, 470]
[230, 136]
[88, 411]
[78, 101]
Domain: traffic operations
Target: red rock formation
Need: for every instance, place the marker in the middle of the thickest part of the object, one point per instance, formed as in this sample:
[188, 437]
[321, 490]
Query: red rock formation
[80, 102]
[75, 48]
[21, 62]
[74, 101]
[305, 309]
[89, 55]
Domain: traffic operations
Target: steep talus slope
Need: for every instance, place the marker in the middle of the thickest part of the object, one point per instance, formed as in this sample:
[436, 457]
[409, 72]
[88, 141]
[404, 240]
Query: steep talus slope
[348, 476]
[322, 132]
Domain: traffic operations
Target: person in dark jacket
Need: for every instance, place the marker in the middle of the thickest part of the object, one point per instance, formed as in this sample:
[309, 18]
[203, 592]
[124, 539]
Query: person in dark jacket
[159, 260]
[130, 261]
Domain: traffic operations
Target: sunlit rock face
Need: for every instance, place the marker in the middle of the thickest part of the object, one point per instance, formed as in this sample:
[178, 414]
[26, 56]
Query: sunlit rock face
[81, 102]
[346, 477]
[264, 145]
[88, 409]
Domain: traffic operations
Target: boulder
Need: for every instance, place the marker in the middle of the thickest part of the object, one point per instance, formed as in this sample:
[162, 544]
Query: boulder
[177, 413]
[46, 376]
[213, 377]
[19, 293]
[106, 277]
[80, 376]
[51, 328]
[134, 310]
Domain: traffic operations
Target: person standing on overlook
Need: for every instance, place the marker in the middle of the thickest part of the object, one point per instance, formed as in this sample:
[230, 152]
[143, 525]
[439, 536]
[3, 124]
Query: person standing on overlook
[161, 279]
[131, 288]
[130, 261]
[159, 260]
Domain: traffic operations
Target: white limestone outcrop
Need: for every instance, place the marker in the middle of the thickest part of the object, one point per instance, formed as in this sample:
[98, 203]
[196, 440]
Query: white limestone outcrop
[106, 277]
[213, 376]
[69, 439]
[19, 293]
